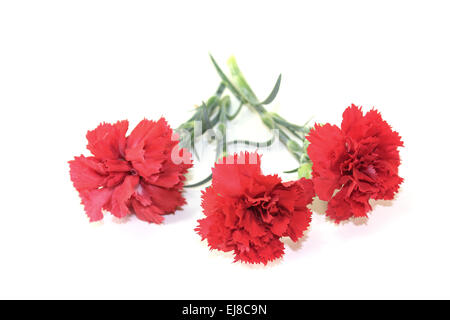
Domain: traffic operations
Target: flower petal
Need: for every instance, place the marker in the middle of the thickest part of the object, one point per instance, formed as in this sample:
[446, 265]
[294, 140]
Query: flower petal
[94, 201]
[326, 149]
[121, 196]
[108, 141]
[353, 122]
[147, 213]
[167, 200]
[299, 223]
[252, 224]
[149, 134]
[232, 174]
[87, 173]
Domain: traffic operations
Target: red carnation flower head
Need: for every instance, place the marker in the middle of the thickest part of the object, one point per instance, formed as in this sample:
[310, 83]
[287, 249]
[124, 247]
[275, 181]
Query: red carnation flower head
[354, 163]
[140, 173]
[248, 212]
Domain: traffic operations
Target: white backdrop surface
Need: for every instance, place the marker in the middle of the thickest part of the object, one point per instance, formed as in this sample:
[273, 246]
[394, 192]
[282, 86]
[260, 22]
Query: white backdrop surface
[66, 66]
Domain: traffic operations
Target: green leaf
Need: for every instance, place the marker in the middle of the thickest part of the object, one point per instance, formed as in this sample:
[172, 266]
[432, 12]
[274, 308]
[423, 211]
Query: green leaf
[227, 81]
[274, 92]
[205, 117]
[253, 143]
[305, 146]
[241, 83]
[231, 117]
[212, 101]
[291, 171]
[293, 146]
[305, 170]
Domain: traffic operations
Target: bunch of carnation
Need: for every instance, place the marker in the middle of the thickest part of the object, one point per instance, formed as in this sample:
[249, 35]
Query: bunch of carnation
[245, 211]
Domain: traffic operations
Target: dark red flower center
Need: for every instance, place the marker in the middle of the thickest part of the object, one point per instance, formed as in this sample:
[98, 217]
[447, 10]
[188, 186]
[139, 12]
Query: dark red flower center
[263, 207]
[371, 171]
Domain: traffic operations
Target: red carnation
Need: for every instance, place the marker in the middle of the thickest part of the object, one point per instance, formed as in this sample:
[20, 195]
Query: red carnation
[360, 160]
[248, 212]
[131, 174]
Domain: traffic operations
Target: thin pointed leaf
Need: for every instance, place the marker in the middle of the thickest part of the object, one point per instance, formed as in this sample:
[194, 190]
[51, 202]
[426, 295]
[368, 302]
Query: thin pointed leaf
[293, 130]
[227, 81]
[231, 117]
[220, 89]
[306, 123]
[253, 143]
[274, 92]
[286, 124]
[240, 82]
[205, 116]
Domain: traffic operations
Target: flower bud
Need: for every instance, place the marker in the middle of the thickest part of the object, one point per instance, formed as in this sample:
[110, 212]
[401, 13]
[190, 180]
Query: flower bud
[293, 146]
[305, 170]
[305, 145]
[212, 101]
[226, 102]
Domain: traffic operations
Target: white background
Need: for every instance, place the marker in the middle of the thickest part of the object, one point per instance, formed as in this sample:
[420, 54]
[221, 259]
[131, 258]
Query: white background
[66, 66]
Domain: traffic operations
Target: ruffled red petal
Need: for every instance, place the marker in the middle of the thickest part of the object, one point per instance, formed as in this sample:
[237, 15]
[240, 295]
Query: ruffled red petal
[247, 212]
[108, 141]
[354, 163]
[232, 174]
[87, 173]
[167, 200]
[94, 201]
[122, 195]
[148, 213]
[326, 148]
[137, 171]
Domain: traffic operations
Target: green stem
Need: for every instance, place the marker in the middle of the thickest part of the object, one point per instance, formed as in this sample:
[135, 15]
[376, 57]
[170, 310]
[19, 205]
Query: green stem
[220, 89]
[222, 126]
[284, 138]
[239, 80]
[221, 148]
[230, 118]
[268, 119]
[210, 107]
[253, 143]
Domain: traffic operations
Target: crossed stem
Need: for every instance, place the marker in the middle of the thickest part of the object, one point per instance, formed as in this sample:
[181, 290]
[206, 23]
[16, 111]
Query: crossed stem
[216, 112]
